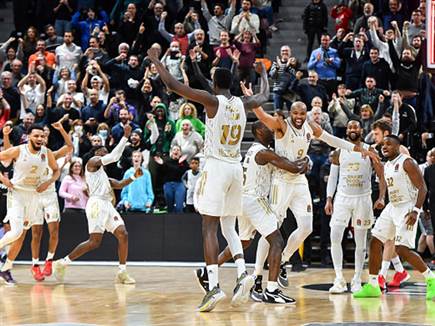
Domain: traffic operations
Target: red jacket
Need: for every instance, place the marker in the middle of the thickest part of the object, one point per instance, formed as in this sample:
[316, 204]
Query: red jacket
[342, 16]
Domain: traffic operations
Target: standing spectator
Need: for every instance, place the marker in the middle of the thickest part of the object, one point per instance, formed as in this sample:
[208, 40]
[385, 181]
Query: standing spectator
[354, 58]
[117, 103]
[166, 131]
[68, 54]
[78, 98]
[5, 110]
[174, 61]
[394, 14]
[429, 177]
[99, 82]
[315, 23]
[49, 57]
[32, 88]
[173, 168]
[129, 25]
[8, 53]
[417, 25]
[63, 15]
[73, 187]
[188, 112]
[201, 56]
[16, 67]
[124, 120]
[180, 35]
[339, 109]
[368, 94]
[29, 44]
[188, 140]
[89, 25]
[361, 24]
[408, 119]
[218, 23]
[247, 44]
[95, 109]
[246, 20]
[80, 140]
[190, 178]
[11, 94]
[342, 15]
[325, 61]
[60, 78]
[307, 91]
[53, 40]
[377, 68]
[19, 133]
[224, 52]
[138, 196]
[283, 73]
[152, 19]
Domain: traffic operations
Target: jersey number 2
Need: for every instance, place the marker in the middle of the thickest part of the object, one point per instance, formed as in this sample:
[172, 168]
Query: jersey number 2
[231, 134]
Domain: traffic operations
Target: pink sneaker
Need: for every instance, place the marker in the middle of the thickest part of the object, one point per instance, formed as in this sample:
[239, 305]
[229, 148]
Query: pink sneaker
[399, 278]
[381, 281]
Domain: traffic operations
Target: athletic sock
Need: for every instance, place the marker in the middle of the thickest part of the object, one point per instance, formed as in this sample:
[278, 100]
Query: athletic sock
[122, 267]
[428, 274]
[272, 286]
[241, 268]
[373, 280]
[7, 265]
[398, 267]
[50, 256]
[66, 260]
[384, 269]
[213, 278]
[35, 261]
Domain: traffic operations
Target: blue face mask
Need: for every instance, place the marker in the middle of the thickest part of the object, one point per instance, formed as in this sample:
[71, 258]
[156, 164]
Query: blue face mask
[103, 133]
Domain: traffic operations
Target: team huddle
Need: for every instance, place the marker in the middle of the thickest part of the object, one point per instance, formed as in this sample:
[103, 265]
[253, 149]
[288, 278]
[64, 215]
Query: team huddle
[257, 193]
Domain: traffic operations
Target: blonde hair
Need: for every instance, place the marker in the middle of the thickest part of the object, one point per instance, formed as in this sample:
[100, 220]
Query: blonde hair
[194, 113]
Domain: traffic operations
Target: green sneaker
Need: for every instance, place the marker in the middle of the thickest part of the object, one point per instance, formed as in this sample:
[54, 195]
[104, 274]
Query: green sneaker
[368, 291]
[430, 288]
[211, 299]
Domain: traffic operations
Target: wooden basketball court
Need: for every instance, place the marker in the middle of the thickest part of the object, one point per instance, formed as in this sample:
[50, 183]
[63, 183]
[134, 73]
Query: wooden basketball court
[169, 296]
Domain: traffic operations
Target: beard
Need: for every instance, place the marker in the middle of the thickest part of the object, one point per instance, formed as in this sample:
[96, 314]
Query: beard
[35, 146]
[354, 136]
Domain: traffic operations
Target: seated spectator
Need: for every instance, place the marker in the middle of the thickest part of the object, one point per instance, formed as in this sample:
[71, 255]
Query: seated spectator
[16, 68]
[95, 109]
[220, 22]
[179, 36]
[99, 82]
[173, 168]
[68, 54]
[73, 187]
[246, 20]
[188, 112]
[87, 26]
[11, 94]
[190, 177]
[9, 53]
[80, 140]
[224, 52]
[188, 140]
[32, 88]
[124, 119]
[103, 131]
[19, 133]
[49, 57]
[248, 44]
[138, 196]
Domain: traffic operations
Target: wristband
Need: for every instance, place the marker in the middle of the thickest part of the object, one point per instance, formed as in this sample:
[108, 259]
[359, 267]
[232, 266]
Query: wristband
[417, 210]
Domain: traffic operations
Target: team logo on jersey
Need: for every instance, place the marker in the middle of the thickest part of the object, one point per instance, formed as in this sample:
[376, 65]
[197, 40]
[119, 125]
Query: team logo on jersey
[309, 208]
[396, 167]
[358, 222]
[43, 157]
[308, 137]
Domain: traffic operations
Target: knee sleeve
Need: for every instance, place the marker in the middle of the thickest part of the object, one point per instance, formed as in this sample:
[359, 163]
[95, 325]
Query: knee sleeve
[228, 227]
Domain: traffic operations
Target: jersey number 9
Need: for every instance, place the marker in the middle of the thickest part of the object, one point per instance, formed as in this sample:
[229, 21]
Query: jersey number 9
[231, 134]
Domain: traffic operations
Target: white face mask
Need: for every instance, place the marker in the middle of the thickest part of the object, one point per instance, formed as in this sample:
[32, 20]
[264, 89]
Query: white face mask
[103, 133]
[78, 129]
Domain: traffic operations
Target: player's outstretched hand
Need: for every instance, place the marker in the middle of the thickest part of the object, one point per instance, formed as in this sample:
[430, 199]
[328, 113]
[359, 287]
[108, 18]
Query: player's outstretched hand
[247, 91]
[138, 173]
[127, 130]
[153, 54]
[58, 124]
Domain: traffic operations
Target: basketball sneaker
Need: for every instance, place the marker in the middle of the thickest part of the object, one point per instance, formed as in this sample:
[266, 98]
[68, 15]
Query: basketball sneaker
[277, 297]
[7, 278]
[340, 286]
[282, 277]
[382, 282]
[211, 299]
[368, 291]
[430, 288]
[257, 290]
[59, 270]
[241, 291]
[355, 285]
[202, 278]
[399, 278]
[37, 274]
[123, 278]
[48, 268]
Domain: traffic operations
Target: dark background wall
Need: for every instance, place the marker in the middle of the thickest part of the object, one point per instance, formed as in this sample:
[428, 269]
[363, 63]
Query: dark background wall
[151, 238]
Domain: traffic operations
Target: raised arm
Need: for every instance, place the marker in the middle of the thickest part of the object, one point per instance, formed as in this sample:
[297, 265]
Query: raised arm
[255, 101]
[7, 129]
[209, 101]
[10, 154]
[69, 146]
[116, 184]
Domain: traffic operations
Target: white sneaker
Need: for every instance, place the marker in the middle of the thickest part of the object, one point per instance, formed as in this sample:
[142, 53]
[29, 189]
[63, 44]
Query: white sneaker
[124, 278]
[339, 286]
[355, 285]
[59, 270]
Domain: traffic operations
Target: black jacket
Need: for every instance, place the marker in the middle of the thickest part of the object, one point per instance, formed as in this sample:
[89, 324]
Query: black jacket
[315, 17]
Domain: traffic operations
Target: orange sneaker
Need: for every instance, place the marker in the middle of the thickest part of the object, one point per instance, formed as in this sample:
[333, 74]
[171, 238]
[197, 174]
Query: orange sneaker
[48, 268]
[399, 278]
[37, 274]
[382, 282]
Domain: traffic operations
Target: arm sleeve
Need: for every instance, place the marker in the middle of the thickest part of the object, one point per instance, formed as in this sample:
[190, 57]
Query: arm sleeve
[116, 154]
[332, 181]
[396, 123]
[335, 141]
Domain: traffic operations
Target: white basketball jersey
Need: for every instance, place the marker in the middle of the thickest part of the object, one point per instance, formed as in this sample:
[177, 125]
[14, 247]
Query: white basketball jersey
[400, 187]
[257, 178]
[293, 146]
[99, 184]
[29, 168]
[224, 133]
[48, 173]
[355, 174]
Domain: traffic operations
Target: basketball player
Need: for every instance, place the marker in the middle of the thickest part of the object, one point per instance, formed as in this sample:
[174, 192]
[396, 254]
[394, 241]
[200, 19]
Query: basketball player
[292, 140]
[398, 221]
[31, 162]
[100, 212]
[48, 208]
[380, 129]
[219, 189]
[352, 200]
[257, 215]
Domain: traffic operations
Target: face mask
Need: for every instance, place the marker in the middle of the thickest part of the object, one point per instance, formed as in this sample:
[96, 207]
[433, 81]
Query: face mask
[174, 49]
[103, 133]
[78, 129]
